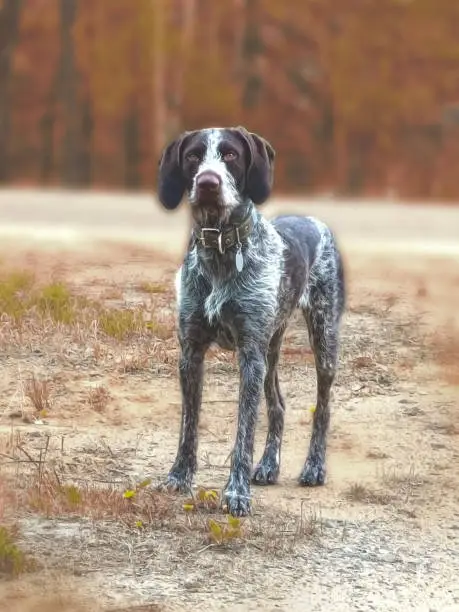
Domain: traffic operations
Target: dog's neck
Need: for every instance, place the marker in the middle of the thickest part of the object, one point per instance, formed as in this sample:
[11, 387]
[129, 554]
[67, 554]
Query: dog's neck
[219, 258]
[222, 234]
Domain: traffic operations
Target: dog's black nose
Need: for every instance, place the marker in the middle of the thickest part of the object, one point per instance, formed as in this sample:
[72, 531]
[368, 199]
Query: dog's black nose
[210, 181]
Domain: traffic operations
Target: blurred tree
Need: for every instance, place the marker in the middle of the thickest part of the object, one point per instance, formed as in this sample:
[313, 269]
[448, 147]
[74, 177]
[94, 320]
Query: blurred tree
[356, 96]
[184, 19]
[160, 135]
[47, 128]
[68, 96]
[9, 25]
[131, 149]
[252, 51]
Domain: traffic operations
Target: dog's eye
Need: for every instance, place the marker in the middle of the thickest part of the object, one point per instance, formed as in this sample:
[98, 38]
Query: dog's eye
[230, 156]
[193, 157]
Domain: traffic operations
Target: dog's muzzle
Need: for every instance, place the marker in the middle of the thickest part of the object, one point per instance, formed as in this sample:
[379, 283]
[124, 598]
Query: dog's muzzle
[208, 182]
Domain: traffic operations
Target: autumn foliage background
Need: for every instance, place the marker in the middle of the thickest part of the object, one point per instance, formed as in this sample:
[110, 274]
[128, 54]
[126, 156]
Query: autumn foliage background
[358, 97]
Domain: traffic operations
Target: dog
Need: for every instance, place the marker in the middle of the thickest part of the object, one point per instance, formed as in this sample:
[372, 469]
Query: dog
[241, 280]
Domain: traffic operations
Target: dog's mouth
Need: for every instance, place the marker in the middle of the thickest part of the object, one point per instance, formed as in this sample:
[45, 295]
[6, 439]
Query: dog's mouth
[208, 197]
[210, 213]
[207, 200]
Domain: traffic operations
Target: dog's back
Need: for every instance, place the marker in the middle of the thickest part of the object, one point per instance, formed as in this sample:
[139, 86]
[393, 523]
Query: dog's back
[311, 251]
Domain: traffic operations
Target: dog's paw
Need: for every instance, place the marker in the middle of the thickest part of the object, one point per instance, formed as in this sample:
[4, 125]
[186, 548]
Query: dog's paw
[266, 472]
[313, 474]
[176, 483]
[237, 503]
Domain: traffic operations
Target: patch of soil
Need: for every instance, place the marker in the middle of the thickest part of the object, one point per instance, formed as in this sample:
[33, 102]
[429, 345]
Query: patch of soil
[382, 534]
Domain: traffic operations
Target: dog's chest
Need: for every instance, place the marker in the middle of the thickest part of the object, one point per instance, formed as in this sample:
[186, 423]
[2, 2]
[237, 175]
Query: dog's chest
[221, 294]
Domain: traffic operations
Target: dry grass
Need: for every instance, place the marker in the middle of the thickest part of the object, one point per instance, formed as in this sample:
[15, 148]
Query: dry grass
[282, 533]
[148, 608]
[135, 362]
[38, 391]
[90, 340]
[53, 315]
[46, 487]
[149, 287]
[65, 601]
[360, 493]
[402, 483]
[98, 398]
[43, 604]
[51, 498]
[23, 299]
[445, 345]
[376, 454]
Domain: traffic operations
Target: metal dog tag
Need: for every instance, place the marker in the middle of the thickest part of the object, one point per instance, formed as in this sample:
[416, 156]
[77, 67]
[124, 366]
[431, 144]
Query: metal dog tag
[239, 259]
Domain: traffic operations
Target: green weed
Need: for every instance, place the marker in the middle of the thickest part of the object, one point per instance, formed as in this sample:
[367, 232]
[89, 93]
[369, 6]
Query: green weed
[12, 559]
[15, 294]
[56, 302]
[120, 324]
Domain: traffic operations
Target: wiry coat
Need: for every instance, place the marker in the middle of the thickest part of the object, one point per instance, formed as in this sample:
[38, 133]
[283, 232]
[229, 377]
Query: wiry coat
[288, 263]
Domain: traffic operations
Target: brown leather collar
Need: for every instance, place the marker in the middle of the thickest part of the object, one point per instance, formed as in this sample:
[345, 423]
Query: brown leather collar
[223, 239]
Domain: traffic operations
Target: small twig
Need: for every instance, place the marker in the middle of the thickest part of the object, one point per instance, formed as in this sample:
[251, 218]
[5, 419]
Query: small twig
[29, 457]
[207, 430]
[139, 437]
[12, 457]
[201, 550]
[229, 457]
[107, 446]
[117, 471]
[57, 478]
[45, 453]
[216, 401]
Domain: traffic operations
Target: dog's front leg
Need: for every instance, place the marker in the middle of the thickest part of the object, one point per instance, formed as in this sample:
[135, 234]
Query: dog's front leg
[191, 368]
[252, 365]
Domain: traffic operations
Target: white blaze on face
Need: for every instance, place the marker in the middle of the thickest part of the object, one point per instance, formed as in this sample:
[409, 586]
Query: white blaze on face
[213, 162]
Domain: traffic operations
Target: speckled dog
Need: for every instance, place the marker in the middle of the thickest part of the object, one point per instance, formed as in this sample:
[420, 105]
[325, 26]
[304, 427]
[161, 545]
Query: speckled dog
[241, 280]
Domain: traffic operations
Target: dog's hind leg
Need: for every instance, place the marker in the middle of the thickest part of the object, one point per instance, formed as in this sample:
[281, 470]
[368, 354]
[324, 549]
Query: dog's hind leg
[323, 314]
[267, 470]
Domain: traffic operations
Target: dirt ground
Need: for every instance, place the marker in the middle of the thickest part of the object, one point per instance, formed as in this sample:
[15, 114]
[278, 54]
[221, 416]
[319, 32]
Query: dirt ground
[383, 534]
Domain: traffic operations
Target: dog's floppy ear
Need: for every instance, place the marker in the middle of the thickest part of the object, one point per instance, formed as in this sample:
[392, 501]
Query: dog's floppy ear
[171, 182]
[260, 166]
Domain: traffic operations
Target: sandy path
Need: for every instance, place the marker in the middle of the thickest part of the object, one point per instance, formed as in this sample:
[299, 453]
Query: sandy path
[64, 218]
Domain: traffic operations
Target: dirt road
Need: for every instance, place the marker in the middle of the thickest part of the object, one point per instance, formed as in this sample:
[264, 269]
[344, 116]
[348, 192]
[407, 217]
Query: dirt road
[74, 217]
[383, 534]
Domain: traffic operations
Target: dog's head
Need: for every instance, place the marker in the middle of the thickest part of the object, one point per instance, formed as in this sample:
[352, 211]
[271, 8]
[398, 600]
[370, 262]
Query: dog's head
[219, 168]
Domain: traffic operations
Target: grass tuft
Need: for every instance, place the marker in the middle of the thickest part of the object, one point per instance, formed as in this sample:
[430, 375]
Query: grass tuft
[56, 302]
[13, 560]
[38, 391]
[120, 324]
[148, 287]
[99, 398]
[140, 506]
[15, 291]
[359, 493]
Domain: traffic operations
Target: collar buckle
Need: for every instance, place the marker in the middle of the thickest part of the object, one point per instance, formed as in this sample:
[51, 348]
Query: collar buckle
[221, 239]
[211, 237]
